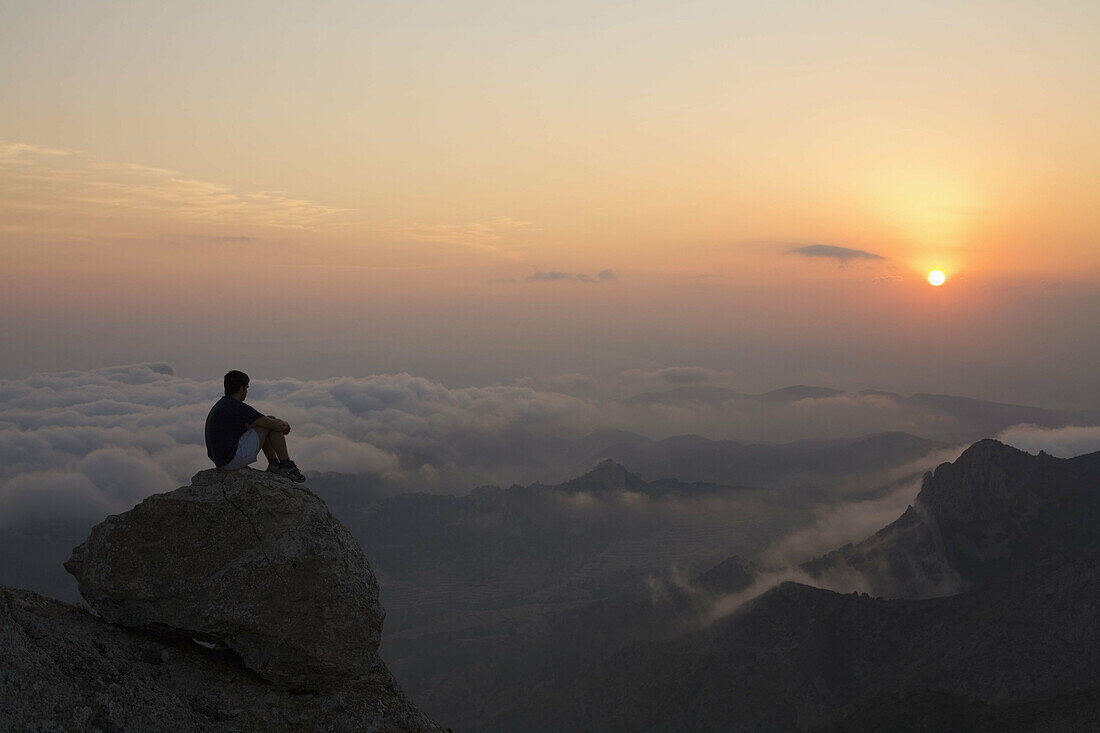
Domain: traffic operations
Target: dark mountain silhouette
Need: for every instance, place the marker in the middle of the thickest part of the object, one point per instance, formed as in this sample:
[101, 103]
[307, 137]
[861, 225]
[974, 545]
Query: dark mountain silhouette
[821, 462]
[609, 476]
[732, 575]
[510, 543]
[1019, 644]
[606, 476]
[550, 606]
[478, 582]
[978, 519]
[492, 580]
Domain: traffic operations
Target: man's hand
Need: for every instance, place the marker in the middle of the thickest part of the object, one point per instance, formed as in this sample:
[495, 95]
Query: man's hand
[270, 422]
[278, 425]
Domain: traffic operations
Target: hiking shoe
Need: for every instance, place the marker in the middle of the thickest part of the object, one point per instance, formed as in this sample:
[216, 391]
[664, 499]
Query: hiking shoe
[289, 469]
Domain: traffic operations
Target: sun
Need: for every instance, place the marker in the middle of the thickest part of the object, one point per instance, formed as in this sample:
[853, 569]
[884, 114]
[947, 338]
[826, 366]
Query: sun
[937, 278]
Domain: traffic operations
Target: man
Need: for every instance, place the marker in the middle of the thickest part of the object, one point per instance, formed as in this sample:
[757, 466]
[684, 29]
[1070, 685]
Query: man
[236, 432]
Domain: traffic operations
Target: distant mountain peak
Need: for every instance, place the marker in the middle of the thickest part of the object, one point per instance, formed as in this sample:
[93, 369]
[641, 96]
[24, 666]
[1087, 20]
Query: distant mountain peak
[989, 446]
[608, 475]
[988, 466]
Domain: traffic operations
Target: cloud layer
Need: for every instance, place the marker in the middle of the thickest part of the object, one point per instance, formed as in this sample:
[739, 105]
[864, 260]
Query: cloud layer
[1060, 442]
[558, 276]
[92, 443]
[95, 442]
[836, 253]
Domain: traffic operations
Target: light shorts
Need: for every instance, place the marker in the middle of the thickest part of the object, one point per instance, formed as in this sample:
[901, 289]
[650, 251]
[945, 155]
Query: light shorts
[248, 447]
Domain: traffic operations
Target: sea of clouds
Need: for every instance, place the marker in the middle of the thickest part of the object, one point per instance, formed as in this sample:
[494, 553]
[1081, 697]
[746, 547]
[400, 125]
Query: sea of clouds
[88, 443]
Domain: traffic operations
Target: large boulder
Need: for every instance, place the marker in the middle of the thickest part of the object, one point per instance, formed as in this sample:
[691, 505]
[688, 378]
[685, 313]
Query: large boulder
[62, 669]
[245, 559]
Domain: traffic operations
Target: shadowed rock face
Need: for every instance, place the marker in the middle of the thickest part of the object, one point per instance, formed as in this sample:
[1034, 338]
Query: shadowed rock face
[63, 669]
[983, 517]
[245, 559]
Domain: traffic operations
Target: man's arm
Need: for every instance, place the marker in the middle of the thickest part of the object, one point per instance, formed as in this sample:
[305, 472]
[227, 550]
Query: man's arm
[270, 422]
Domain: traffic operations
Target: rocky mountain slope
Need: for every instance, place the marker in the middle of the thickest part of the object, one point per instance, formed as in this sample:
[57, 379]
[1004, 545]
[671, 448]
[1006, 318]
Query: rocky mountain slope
[1020, 643]
[506, 581]
[238, 603]
[983, 517]
[799, 657]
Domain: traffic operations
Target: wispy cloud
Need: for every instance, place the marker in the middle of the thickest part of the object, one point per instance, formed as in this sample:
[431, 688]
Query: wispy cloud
[229, 239]
[548, 277]
[558, 276]
[489, 235]
[73, 186]
[829, 251]
[1062, 442]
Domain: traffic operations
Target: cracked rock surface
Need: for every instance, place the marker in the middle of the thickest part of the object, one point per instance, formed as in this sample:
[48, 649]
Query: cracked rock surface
[245, 559]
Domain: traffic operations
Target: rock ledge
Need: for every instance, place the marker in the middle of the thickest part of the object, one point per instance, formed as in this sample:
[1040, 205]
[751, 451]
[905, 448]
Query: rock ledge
[245, 559]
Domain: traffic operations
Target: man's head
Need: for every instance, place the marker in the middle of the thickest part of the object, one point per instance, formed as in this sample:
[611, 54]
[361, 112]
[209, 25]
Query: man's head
[236, 382]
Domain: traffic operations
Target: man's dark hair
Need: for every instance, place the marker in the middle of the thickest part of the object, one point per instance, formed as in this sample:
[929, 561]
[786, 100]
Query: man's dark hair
[234, 380]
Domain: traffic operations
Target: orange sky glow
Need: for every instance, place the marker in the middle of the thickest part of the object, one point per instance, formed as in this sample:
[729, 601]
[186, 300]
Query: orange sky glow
[480, 191]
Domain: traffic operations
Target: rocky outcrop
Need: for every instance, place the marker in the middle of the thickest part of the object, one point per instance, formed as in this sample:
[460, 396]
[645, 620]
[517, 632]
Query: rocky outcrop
[62, 669]
[237, 603]
[990, 514]
[245, 559]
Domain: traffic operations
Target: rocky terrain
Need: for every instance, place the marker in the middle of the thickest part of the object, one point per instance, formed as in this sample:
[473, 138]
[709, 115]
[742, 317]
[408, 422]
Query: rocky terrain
[799, 658]
[1018, 648]
[978, 519]
[237, 603]
[506, 580]
[523, 608]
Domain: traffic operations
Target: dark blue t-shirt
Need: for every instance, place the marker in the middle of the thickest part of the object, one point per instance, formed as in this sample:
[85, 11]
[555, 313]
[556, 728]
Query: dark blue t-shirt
[225, 424]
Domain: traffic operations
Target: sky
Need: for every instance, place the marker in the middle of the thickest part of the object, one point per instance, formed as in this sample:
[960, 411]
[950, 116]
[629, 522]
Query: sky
[481, 192]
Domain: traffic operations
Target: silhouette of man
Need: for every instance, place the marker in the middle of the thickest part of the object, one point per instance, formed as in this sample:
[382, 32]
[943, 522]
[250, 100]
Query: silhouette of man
[236, 432]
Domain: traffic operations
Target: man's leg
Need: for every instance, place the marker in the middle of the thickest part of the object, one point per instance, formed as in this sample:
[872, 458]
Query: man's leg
[269, 451]
[273, 444]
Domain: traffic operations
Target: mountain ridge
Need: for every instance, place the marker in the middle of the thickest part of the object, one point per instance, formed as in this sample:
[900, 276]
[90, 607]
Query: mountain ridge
[798, 657]
[980, 517]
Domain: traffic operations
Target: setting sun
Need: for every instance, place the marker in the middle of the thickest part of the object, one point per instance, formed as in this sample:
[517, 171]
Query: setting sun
[937, 278]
